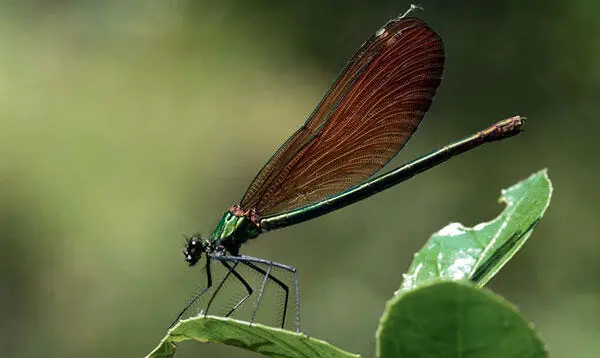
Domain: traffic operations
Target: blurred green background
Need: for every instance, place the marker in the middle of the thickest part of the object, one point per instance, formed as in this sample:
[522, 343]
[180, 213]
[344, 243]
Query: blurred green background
[126, 124]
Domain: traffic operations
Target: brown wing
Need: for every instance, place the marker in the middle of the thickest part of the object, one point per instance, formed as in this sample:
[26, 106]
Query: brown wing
[367, 116]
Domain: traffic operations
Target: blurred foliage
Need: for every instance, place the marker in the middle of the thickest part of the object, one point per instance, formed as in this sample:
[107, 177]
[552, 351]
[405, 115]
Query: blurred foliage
[125, 124]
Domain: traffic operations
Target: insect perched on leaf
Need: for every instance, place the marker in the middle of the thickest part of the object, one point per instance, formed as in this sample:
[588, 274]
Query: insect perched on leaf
[364, 120]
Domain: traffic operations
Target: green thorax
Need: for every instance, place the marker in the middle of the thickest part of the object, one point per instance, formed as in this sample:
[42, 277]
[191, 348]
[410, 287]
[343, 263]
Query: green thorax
[234, 230]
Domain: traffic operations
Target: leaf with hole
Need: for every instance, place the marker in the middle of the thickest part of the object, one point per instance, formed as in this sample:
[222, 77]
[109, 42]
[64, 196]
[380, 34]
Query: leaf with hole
[457, 252]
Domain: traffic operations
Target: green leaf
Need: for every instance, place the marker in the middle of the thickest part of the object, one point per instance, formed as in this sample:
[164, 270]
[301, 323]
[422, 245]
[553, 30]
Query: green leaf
[457, 252]
[455, 319]
[273, 342]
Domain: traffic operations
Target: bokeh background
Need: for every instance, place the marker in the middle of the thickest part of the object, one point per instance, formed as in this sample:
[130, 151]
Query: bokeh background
[125, 124]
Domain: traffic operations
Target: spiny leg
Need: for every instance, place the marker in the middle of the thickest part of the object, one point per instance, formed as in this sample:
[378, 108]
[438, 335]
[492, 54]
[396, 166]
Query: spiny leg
[247, 260]
[267, 275]
[230, 270]
[243, 281]
[208, 286]
[260, 293]
[297, 294]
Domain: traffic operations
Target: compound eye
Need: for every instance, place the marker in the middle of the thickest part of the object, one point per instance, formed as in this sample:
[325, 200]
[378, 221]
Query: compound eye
[194, 241]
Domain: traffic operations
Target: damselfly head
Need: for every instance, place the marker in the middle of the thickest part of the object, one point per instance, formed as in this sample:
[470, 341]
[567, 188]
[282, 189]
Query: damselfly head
[194, 247]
